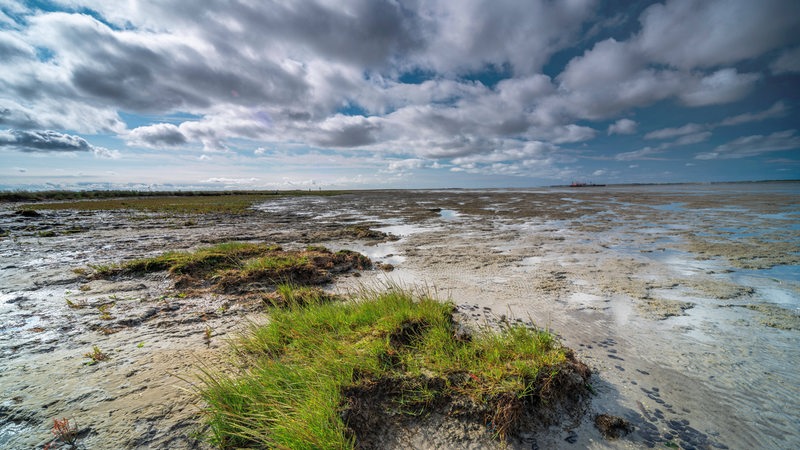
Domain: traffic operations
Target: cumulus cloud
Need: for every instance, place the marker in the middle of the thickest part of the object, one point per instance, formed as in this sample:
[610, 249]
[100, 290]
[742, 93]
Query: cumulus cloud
[404, 165]
[622, 126]
[722, 86]
[158, 135]
[708, 33]
[754, 145]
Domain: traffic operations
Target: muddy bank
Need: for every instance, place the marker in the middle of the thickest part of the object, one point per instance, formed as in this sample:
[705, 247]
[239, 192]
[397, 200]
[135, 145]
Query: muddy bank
[688, 320]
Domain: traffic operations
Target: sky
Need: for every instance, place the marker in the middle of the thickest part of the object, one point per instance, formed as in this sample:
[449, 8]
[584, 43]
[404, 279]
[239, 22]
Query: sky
[362, 94]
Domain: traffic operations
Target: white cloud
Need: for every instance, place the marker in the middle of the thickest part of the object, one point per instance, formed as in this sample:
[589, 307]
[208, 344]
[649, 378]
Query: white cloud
[779, 109]
[722, 86]
[708, 33]
[622, 126]
[405, 165]
[787, 62]
[694, 138]
[687, 135]
[669, 133]
[470, 34]
[754, 145]
[156, 136]
[609, 61]
[231, 181]
[641, 154]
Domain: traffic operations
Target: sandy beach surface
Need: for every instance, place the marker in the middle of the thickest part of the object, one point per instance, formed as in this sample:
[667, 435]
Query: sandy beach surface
[684, 301]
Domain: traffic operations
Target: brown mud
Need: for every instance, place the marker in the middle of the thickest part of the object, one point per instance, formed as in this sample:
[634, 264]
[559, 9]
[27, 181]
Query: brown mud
[661, 292]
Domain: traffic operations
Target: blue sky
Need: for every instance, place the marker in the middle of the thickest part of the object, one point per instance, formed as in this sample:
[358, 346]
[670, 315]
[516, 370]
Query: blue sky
[168, 94]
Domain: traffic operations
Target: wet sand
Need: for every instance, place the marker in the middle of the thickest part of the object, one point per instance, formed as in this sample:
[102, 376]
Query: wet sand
[683, 300]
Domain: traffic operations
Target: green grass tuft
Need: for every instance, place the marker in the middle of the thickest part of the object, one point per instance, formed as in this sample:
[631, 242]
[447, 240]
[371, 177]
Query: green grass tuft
[298, 369]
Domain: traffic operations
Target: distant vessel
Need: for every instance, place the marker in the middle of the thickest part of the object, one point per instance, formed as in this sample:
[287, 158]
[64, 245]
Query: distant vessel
[579, 184]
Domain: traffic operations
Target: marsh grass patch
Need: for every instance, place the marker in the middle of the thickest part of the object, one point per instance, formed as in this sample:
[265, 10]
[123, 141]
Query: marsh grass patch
[337, 375]
[152, 202]
[242, 267]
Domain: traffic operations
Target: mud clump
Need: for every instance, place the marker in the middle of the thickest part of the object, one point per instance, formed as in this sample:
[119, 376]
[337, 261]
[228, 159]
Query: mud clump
[612, 427]
[661, 309]
[28, 213]
[358, 232]
[379, 413]
[407, 334]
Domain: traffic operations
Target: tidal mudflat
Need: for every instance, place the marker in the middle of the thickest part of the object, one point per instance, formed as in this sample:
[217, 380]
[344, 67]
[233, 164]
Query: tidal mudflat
[682, 299]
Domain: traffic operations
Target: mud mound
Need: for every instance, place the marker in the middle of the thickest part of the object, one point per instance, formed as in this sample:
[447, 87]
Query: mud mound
[612, 427]
[381, 414]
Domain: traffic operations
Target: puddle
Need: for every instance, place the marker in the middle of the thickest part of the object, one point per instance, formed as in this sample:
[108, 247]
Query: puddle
[449, 214]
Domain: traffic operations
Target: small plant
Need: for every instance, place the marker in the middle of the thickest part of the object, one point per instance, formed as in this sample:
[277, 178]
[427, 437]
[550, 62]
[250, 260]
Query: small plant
[76, 305]
[207, 333]
[64, 432]
[103, 270]
[104, 311]
[140, 345]
[84, 288]
[79, 271]
[95, 356]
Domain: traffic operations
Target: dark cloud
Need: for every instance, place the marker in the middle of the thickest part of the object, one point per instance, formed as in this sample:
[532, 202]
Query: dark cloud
[344, 132]
[43, 141]
[12, 47]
